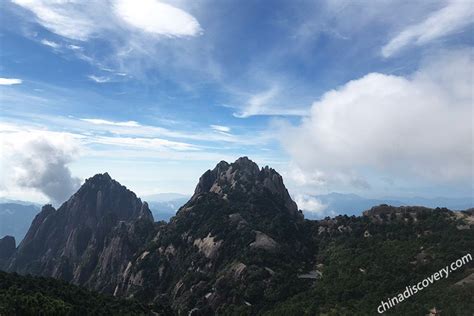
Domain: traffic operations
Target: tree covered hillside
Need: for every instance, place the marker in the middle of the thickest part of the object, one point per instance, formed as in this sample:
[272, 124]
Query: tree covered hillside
[28, 295]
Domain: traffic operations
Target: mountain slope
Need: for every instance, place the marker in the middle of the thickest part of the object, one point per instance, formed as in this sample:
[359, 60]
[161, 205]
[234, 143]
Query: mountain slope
[362, 261]
[27, 295]
[88, 240]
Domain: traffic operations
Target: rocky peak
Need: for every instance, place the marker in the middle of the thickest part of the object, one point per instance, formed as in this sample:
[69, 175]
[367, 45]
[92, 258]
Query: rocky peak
[101, 177]
[245, 165]
[245, 176]
[101, 195]
[90, 236]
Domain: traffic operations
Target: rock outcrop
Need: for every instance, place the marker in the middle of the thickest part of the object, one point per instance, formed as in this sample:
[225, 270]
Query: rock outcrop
[386, 213]
[245, 176]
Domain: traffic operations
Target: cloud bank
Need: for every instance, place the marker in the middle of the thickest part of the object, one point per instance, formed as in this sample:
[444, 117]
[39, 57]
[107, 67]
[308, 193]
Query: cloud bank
[310, 205]
[415, 127]
[39, 161]
[157, 18]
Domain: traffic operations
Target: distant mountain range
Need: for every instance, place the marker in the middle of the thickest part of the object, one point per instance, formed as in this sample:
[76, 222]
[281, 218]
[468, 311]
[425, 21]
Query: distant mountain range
[352, 204]
[16, 218]
[238, 246]
[163, 206]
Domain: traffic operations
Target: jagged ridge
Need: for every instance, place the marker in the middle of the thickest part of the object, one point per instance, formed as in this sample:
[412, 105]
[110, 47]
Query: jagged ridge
[245, 176]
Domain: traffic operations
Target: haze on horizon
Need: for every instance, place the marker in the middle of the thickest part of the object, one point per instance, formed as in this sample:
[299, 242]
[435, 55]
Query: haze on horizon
[337, 96]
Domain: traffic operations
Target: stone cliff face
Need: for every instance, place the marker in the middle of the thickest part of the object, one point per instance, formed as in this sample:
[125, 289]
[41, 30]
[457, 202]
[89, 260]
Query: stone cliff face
[88, 240]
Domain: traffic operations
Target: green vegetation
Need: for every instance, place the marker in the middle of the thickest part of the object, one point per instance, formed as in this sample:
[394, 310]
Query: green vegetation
[28, 295]
[359, 272]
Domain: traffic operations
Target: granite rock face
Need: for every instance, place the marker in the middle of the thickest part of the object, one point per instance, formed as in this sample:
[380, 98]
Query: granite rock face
[89, 239]
[245, 176]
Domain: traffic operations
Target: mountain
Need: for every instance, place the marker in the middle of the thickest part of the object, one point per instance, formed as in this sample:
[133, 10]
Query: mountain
[16, 218]
[240, 246]
[5, 200]
[460, 203]
[89, 239]
[238, 229]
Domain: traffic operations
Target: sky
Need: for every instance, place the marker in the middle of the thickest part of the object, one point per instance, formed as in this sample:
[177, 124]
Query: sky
[366, 97]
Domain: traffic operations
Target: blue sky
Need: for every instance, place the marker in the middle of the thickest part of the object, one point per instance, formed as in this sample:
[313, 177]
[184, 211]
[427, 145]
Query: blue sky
[349, 96]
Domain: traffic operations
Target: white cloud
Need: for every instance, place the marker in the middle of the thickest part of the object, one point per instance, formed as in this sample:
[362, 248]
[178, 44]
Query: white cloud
[136, 36]
[157, 18]
[74, 47]
[220, 128]
[65, 18]
[257, 103]
[310, 204]
[416, 128]
[106, 122]
[263, 103]
[83, 20]
[133, 128]
[9, 81]
[134, 154]
[99, 79]
[456, 15]
[84, 140]
[38, 160]
[143, 143]
[51, 44]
